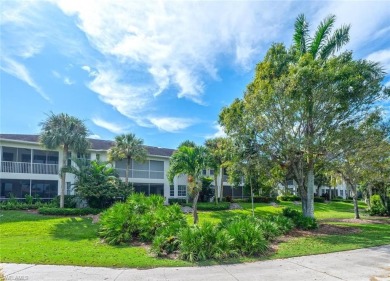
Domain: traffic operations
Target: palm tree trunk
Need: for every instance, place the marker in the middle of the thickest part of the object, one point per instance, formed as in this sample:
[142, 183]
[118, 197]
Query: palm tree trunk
[195, 208]
[63, 175]
[216, 187]
[253, 207]
[127, 171]
[221, 184]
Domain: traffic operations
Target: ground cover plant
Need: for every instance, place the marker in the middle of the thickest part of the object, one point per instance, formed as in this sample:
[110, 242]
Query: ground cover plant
[27, 237]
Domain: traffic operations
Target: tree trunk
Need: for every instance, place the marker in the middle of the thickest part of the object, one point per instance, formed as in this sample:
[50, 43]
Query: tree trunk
[309, 210]
[355, 202]
[127, 171]
[216, 187]
[195, 208]
[63, 175]
[221, 183]
[304, 203]
[253, 208]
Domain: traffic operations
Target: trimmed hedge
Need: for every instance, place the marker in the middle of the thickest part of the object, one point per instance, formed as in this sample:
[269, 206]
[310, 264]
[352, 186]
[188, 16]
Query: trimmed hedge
[68, 211]
[22, 206]
[211, 206]
[299, 220]
[244, 200]
[263, 199]
[180, 201]
[319, 199]
[288, 198]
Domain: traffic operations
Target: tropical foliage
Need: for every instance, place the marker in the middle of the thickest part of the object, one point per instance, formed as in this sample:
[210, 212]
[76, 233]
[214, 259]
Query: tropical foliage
[189, 160]
[127, 147]
[67, 132]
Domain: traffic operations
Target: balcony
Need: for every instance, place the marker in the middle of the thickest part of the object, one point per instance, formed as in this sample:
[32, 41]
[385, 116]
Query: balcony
[141, 174]
[28, 168]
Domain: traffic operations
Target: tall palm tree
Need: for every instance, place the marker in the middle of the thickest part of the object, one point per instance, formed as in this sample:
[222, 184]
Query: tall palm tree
[324, 43]
[68, 132]
[191, 161]
[129, 147]
[321, 46]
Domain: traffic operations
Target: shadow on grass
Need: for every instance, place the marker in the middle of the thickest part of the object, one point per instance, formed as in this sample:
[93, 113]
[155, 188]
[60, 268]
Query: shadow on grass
[21, 216]
[74, 229]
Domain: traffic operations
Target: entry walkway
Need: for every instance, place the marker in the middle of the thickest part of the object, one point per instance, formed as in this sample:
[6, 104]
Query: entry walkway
[371, 264]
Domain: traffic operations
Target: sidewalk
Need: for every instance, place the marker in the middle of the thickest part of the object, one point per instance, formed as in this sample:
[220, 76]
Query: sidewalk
[371, 264]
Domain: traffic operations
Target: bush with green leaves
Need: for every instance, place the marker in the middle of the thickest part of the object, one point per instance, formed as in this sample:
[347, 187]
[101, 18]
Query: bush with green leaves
[299, 220]
[139, 218]
[180, 201]
[284, 224]
[377, 208]
[288, 198]
[319, 199]
[208, 241]
[70, 201]
[247, 234]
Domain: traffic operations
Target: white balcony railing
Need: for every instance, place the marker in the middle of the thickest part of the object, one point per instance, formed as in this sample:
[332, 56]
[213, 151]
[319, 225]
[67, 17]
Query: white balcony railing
[28, 168]
[141, 174]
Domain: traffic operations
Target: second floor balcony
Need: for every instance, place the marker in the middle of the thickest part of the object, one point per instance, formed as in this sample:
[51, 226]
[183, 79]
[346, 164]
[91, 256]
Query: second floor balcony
[28, 168]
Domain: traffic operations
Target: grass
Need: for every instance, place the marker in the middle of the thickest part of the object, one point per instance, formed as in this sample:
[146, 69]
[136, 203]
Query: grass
[33, 238]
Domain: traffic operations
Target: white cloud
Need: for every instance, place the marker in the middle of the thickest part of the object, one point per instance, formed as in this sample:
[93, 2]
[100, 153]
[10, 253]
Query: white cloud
[383, 57]
[178, 43]
[171, 124]
[112, 127]
[220, 133]
[92, 73]
[19, 71]
[96, 137]
[68, 81]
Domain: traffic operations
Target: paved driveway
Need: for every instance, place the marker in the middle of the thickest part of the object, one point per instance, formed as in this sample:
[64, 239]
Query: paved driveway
[372, 264]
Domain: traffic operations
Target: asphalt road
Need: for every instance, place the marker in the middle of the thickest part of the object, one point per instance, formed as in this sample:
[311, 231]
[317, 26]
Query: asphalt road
[372, 264]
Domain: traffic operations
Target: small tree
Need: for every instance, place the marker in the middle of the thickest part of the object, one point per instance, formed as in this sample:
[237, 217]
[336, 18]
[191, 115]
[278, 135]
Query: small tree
[98, 183]
[190, 161]
[128, 147]
[67, 132]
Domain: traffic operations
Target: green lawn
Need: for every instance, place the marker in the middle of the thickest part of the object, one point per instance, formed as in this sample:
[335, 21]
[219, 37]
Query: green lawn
[32, 238]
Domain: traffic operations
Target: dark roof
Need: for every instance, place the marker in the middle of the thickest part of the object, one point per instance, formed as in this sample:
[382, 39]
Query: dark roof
[96, 144]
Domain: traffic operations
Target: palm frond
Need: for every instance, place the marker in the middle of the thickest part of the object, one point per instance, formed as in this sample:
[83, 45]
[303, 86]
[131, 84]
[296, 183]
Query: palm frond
[301, 34]
[323, 31]
[335, 42]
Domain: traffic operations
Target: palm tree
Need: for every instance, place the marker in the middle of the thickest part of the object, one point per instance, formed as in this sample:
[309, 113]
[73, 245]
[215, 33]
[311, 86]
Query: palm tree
[129, 147]
[320, 47]
[67, 132]
[191, 161]
[324, 43]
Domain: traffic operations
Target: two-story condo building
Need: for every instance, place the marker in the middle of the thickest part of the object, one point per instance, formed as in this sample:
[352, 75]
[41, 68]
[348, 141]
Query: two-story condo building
[26, 168]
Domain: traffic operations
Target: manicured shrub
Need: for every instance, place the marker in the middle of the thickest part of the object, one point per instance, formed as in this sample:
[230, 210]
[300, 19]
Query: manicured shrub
[288, 198]
[16, 205]
[262, 199]
[68, 211]
[247, 235]
[166, 240]
[377, 208]
[244, 200]
[207, 241]
[211, 206]
[70, 201]
[228, 199]
[139, 218]
[179, 201]
[269, 229]
[299, 220]
[319, 199]
[284, 224]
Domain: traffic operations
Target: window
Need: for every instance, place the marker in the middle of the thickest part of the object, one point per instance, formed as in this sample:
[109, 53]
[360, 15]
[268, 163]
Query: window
[290, 182]
[97, 157]
[341, 192]
[211, 172]
[172, 190]
[68, 188]
[204, 172]
[182, 190]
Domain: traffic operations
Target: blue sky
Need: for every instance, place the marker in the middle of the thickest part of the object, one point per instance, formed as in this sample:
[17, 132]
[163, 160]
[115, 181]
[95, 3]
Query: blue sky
[160, 69]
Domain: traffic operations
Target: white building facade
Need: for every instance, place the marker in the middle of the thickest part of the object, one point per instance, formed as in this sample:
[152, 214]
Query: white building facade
[26, 168]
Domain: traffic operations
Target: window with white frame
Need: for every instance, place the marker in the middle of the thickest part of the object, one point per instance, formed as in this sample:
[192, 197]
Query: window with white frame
[171, 190]
[181, 190]
[341, 192]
